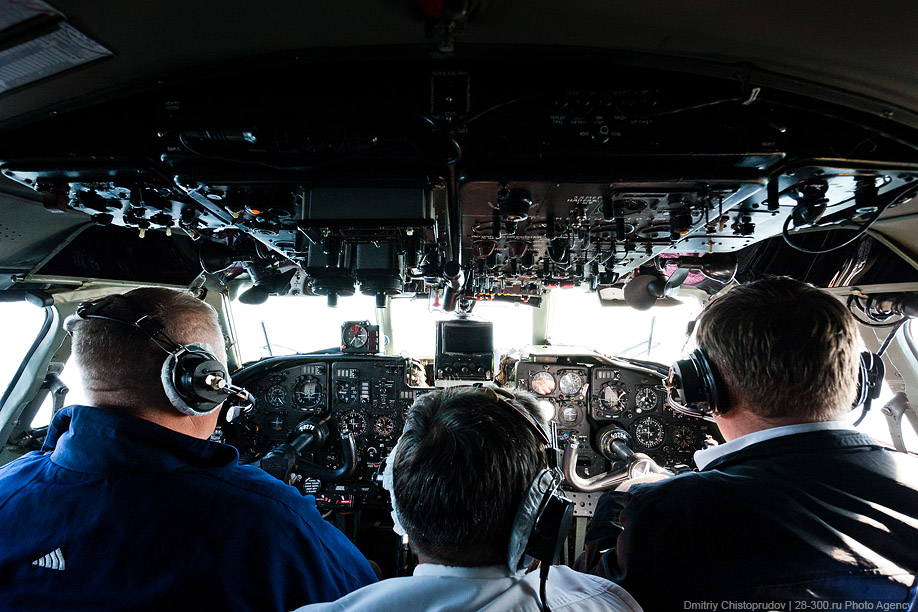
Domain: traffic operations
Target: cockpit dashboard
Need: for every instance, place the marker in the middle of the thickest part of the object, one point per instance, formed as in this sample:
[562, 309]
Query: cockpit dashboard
[588, 398]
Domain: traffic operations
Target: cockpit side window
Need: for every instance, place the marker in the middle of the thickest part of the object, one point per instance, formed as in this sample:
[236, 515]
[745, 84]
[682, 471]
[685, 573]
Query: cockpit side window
[20, 326]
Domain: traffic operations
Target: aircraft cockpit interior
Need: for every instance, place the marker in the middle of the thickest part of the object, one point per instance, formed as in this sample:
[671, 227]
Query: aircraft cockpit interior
[442, 204]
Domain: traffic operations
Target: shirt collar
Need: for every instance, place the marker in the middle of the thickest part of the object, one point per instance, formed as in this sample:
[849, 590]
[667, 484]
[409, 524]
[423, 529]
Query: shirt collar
[705, 457]
[484, 572]
[106, 440]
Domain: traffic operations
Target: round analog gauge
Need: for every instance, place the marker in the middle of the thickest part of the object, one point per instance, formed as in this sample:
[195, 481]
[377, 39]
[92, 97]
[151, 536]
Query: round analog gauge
[353, 421]
[346, 392]
[355, 336]
[542, 383]
[612, 398]
[276, 396]
[308, 392]
[684, 437]
[571, 383]
[649, 432]
[645, 399]
[569, 414]
[384, 427]
[406, 410]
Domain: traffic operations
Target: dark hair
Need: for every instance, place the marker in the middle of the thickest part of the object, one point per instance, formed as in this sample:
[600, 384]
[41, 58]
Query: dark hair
[784, 348]
[121, 361]
[464, 462]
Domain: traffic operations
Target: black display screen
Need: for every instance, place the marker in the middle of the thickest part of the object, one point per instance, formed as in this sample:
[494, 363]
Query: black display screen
[467, 338]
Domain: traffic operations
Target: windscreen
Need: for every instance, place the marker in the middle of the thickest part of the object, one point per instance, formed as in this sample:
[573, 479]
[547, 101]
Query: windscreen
[286, 325]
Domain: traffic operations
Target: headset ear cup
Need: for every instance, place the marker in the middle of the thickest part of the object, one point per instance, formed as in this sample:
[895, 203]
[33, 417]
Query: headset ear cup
[698, 384]
[551, 528]
[714, 387]
[184, 381]
[542, 522]
[167, 375]
[525, 521]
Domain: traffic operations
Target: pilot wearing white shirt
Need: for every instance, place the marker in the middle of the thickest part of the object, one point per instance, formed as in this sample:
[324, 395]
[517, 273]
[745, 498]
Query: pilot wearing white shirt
[466, 478]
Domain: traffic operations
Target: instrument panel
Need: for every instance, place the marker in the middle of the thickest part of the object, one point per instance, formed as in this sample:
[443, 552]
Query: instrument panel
[367, 395]
[370, 397]
[587, 400]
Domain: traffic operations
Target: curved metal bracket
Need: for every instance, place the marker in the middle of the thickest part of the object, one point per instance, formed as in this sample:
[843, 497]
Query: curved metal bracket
[639, 465]
[349, 462]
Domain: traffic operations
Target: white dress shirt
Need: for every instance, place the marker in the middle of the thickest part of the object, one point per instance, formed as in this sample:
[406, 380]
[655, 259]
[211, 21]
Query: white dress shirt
[441, 588]
[706, 456]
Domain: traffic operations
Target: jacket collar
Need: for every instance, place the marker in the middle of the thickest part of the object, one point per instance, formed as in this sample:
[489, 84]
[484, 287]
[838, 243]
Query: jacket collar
[106, 441]
[807, 441]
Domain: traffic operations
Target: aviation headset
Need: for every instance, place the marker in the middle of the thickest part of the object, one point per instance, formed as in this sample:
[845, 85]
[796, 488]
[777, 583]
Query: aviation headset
[194, 380]
[700, 391]
[544, 516]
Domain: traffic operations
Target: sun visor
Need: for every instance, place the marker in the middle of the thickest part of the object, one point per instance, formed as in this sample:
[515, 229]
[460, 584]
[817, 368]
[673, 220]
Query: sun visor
[36, 42]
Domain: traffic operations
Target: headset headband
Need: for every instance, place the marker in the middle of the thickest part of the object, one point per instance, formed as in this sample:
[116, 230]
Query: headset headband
[503, 397]
[150, 327]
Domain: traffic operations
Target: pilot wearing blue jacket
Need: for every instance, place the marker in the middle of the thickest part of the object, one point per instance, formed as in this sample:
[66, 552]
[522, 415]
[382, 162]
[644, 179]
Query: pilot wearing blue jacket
[129, 506]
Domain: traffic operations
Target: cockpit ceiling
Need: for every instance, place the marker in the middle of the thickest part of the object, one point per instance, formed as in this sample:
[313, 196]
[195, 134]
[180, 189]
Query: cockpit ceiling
[495, 179]
[867, 51]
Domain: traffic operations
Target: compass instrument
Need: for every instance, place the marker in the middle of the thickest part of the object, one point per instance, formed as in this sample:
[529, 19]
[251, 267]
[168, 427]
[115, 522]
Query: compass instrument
[359, 337]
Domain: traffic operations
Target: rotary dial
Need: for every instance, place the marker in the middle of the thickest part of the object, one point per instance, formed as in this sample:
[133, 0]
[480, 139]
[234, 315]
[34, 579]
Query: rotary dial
[384, 427]
[355, 336]
[308, 392]
[571, 383]
[353, 421]
[649, 432]
[276, 395]
[612, 398]
[684, 437]
[646, 399]
[542, 383]
[346, 392]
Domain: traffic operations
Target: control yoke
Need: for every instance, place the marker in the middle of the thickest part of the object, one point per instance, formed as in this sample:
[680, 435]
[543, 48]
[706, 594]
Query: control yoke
[639, 464]
[312, 434]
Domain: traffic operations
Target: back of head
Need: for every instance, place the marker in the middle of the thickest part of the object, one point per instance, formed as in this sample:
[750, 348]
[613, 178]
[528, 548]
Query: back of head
[120, 365]
[463, 465]
[786, 350]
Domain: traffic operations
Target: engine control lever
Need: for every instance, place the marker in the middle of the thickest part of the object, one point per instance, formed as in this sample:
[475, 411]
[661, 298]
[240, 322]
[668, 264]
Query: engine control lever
[639, 465]
[313, 434]
[327, 474]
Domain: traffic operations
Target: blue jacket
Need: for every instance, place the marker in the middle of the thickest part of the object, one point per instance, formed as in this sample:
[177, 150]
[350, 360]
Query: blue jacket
[117, 513]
